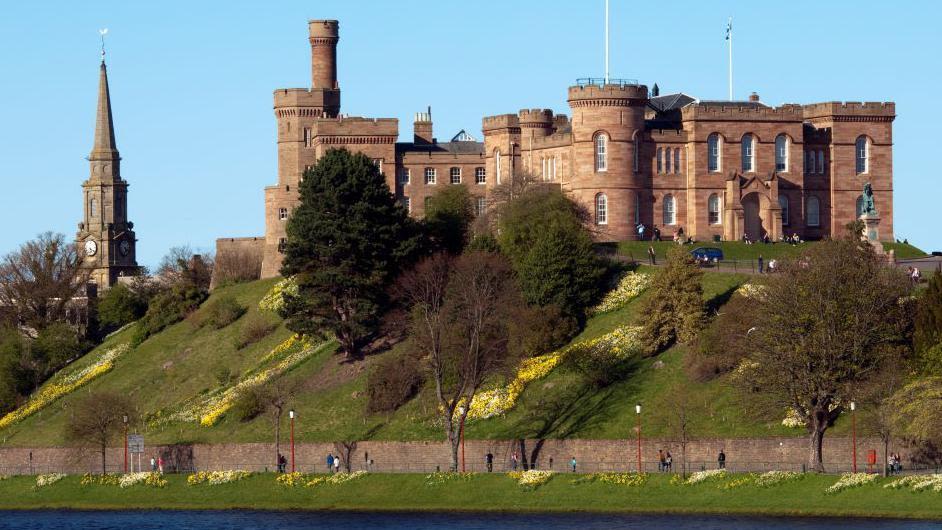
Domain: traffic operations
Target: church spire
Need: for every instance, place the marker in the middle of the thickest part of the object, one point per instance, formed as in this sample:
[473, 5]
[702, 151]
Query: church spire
[104, 148]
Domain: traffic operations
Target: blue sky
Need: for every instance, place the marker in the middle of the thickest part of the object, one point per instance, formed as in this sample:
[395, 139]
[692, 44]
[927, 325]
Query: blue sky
[191, 87]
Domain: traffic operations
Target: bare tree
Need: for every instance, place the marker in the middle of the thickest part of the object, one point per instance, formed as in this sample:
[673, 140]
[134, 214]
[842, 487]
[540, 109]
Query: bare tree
[40, 280]
[97, 420]
[183, 265]
[460, 321]
[677, 407]
[830, 320]
[345, 452]
[275, 397]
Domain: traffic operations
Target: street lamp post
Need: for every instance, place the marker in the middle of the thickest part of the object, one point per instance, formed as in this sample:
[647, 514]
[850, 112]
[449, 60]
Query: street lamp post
[638, 414]
[291, 416]
[125, 419]
[461, 435]
[853, 430]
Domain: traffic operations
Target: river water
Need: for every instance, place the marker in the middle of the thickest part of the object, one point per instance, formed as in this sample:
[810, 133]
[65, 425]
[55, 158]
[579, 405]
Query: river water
[252, 520]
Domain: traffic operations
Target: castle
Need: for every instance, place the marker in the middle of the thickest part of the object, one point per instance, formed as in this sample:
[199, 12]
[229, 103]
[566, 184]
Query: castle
[717, 169]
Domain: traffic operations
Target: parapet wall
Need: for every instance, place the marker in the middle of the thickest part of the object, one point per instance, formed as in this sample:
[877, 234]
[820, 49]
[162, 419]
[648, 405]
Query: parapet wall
[734, 112]
[607, 95]
[238, 256]
[884, 109]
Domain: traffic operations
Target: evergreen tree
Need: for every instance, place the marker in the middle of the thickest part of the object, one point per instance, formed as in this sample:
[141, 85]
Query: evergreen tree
[448, 219]
[347, 239]
[927, 336]
[674, 310]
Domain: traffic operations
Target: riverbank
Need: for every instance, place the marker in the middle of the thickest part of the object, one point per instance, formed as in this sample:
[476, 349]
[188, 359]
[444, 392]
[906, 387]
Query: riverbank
[803, 496]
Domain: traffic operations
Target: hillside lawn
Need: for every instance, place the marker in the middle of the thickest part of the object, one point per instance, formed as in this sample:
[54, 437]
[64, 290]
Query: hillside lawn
[737, 250]
[485, 493]
[181, 363]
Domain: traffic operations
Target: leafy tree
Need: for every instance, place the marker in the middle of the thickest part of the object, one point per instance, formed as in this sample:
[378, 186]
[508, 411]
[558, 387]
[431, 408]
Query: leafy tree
[543, 234]
[16, 377]
[448, 219]
[40, 280]
[119, 306]
[347, 239]
[97, 421]
[829, 321]
[918, 410]
[56, 345]
[674, 309]
[927, 336]
[722, 345]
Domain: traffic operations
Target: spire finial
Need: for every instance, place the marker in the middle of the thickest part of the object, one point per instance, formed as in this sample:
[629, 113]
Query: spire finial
[103, 32]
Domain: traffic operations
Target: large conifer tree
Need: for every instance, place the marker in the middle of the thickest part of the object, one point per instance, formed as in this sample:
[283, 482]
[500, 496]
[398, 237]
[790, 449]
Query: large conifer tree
[346, 242]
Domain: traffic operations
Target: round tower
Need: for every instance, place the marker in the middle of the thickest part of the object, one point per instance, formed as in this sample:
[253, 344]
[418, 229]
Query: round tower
[324, 35]
[535, 122]
[607, 127]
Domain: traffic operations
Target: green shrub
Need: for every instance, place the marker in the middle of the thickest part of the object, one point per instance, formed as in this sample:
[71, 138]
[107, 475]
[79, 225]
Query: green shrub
[540, 330]
[674, 309]
[222, 311]
[167, 308]
[723, 344]
[56, 345]
[248, 406]
[254, 328]
[223, 375]
[119, 306]
[393, 381]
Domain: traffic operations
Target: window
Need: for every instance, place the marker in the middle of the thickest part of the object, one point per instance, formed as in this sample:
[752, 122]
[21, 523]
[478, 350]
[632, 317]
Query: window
[601, 209]
[497, 164]
[813, 211]
[863, 155]
[667, 160]
[601, 152]
[307, 137]
[670, 212]
[660, 160]
[860, 205]
[748, 154]
[92, 208]
[676, 160]
[480, 206]
[480, 177]
[282, 244]
[404, 176]
[553, 168]
[455, 175]
[713, 152]
[781, 153]
[821, 168]
[428, 202]
[283, 214]
[430, 175]
[783, 202]
[713, 209]
[635, 153]
[809, 162]
[637, 208]
[378, 162]
[407, 204]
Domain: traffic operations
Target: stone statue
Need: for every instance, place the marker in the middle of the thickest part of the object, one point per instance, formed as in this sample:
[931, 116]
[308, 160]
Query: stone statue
[869, 208]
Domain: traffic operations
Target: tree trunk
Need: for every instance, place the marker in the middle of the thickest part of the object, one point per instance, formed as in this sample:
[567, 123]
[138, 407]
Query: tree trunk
[277, 441]
[815, 461]
[535, 454]
[886, 456]
[104, 465]
[455, 442]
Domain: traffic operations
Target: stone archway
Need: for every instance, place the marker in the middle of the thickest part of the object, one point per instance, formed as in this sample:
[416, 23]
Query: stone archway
[752, 218]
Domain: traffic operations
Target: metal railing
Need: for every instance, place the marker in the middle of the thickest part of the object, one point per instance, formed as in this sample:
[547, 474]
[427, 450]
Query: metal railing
[601, 81]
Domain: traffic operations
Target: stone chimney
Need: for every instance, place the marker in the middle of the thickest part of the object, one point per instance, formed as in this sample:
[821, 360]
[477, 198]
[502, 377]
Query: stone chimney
[422, 128]
[754, 97]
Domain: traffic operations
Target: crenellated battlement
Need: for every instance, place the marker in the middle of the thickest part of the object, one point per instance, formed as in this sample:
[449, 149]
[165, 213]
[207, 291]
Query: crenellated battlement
[500, 121]
[866, 109]
[621, 95]
[536, 117]
[356, 126]
[317, 101]
[742, 112]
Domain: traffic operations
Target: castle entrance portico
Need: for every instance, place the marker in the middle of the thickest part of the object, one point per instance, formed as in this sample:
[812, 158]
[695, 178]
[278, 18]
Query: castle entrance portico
[752, 208]
[752, 220]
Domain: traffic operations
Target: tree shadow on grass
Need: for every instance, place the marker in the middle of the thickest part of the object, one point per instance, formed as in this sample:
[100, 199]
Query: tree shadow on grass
[716, 302]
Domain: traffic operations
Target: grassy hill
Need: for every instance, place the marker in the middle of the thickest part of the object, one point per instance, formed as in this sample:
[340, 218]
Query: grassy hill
[185, 366]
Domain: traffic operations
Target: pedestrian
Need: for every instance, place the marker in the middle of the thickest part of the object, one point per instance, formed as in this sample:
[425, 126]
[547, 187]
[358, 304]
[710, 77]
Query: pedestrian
[640, 229]
[661, 460]
[337, 464]
[916, 275]
[330, 462]
[761, 263]
[489, 458]
[551, 462]
[282, 463]
[669, 461]
[721, 459]
[652, 257]
[160, 465]
[657, 234]
[573, 464]
[513, 460]
[772, 265]
[153, 464]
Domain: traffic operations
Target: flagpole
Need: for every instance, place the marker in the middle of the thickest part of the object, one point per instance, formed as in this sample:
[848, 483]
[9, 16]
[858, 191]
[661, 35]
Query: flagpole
[729, 37]
[606, 41]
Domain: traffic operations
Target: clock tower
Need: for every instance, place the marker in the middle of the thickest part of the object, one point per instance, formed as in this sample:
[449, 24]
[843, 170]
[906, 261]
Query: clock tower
[105, 237]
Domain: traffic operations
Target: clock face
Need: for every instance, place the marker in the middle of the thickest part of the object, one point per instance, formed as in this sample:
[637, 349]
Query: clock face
[124, 247]
[91, 248]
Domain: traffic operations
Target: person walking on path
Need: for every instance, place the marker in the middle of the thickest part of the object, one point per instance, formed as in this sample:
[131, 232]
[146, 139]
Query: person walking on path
[337, 464]
[652, 257]
[153, 464]
[761, 263]
[721, 459]
[573, 464]
[160, 465]
[513, 460]
[669, 462]
[489, 459]
[661, 460]
[282, 463]
[330, 462]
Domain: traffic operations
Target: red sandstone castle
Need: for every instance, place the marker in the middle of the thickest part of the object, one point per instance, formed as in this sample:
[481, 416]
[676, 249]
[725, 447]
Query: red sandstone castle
[717, 169]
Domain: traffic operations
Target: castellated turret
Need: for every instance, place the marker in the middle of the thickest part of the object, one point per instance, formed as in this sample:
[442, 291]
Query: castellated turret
[324, 35]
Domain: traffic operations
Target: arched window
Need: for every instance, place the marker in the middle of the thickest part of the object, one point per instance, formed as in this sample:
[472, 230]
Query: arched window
[821, 162]
[497, 163]
[783, 202]
[863, 155]
[635, 153]
[601, 209]
[809, 162]
[676, 160]
[713, 208]
[660, 160]
[781, 153]
[601, 152]
[553, 174]
[813, 212]
[670, 210]
[93, 208]
[637, 208]
[748, 154]
[860, 205]
[713, 152]
[667, 160]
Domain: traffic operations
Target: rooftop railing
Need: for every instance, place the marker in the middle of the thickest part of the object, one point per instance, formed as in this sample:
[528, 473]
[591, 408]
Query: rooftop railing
[601, 81]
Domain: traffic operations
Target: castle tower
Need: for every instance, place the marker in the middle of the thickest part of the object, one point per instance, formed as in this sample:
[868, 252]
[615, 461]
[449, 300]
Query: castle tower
[105, 237]
[614, 112]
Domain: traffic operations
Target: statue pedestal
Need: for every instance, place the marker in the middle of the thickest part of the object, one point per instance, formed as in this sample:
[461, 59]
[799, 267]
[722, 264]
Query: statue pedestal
[871, 233]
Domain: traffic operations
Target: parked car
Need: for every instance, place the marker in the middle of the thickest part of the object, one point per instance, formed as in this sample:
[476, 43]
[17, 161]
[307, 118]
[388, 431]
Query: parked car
[707, 255]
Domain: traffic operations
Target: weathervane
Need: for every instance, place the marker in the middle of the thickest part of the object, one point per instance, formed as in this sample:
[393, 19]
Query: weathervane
[103, 32]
